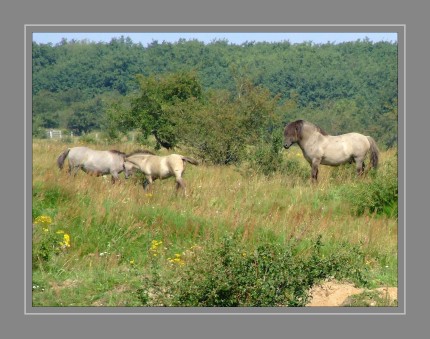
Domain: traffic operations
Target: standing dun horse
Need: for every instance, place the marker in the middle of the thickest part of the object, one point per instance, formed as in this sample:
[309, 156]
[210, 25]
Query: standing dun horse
[158, 167]
[320, 148]
[93, 161]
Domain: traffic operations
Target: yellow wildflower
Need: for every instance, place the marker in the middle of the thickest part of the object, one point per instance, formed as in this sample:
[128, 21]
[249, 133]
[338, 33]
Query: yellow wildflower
[66, 241]
[43, 219]
[177, 260]
[154, 245]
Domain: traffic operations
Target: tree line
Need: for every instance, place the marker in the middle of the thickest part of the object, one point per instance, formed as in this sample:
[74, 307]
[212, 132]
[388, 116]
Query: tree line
[218, 98]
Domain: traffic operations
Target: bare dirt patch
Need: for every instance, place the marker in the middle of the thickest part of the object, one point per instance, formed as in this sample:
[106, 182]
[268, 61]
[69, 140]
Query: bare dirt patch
[333, 293]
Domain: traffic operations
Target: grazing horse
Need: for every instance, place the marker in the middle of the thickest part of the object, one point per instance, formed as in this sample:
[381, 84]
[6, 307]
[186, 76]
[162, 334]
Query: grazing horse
[320, 148]
[158, 167]
[93, 162]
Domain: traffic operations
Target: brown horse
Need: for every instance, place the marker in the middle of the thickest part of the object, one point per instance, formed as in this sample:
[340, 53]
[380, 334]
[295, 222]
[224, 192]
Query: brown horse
[158, 167]
[320, 148]
[93, 162]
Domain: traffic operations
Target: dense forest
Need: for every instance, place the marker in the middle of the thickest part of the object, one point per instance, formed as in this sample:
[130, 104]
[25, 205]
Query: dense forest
[217, 97]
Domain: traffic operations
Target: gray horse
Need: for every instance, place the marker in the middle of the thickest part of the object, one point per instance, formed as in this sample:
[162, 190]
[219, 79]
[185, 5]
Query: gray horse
[158, 167]
[320, 148]
[93, 162]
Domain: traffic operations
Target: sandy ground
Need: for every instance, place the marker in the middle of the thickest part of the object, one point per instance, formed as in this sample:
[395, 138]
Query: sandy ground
[333, 293]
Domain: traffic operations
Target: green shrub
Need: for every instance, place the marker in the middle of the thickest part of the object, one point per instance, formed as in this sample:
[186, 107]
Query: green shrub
[293, 168]
[266, 158]
[379, 196]
[88, 138]
[46, 242]
[227, 275]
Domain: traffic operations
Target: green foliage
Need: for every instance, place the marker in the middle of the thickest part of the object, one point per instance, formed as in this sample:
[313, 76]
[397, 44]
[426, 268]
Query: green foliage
[229, 275]
[220, 127]
[380, 196]
[152, 111]
[86, 117]
[214, 130]
[294, 168]
[88, 138]
[46, 241]
[266, 157]
[37, 128]
[342, 87]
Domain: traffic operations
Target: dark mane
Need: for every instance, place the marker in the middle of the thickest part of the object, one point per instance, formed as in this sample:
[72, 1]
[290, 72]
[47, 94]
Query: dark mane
[320, 130]
[114, 151]
[140, 151]
[293, 127]
[297, 126]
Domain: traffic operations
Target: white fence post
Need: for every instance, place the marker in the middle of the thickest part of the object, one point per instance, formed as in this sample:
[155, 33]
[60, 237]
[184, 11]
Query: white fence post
[54, 134]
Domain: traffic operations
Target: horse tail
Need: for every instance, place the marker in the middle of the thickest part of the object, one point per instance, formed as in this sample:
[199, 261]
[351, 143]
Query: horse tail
[61, 158]
[374, 152]
[190, 160]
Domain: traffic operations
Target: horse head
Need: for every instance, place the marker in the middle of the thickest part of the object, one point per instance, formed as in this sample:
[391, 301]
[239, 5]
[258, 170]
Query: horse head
[129, 168]
[129, 165]
[292, 133]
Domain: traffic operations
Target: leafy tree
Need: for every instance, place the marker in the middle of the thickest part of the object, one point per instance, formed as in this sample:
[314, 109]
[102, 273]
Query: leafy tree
[45, 109]
[152, 111]
[86, 116]
[214, 130]
[257, 107]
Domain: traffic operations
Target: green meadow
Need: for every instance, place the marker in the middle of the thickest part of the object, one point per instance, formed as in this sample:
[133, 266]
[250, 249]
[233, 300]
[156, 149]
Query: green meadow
[239, 237]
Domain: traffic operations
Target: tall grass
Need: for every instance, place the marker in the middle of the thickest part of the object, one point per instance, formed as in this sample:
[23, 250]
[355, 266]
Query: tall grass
[110, 260]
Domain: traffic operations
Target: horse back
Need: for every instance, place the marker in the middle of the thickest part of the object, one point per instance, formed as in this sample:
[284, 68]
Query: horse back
[78, 155]
[101, 162]
[165, 166]
[342, 148]
[171, 165]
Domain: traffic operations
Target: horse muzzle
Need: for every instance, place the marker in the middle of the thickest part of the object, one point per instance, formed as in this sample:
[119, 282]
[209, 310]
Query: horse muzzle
[287, 145]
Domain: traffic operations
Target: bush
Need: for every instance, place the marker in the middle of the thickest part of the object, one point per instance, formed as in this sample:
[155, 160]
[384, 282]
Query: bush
[266, 158]
[294, 168]
[46, 242]
[227, 275]
[89, 138]
[380, 196]
[216, 132]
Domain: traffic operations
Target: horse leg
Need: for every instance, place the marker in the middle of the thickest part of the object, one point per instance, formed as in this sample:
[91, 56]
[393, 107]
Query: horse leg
[73, 170]
[147, 182]
[70, 168]
[362, 168]
[114, 177]
[359, 163]
[180, 184]
[315, 164]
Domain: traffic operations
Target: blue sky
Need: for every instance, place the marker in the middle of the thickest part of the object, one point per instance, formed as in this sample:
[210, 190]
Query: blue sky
[235, 38]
